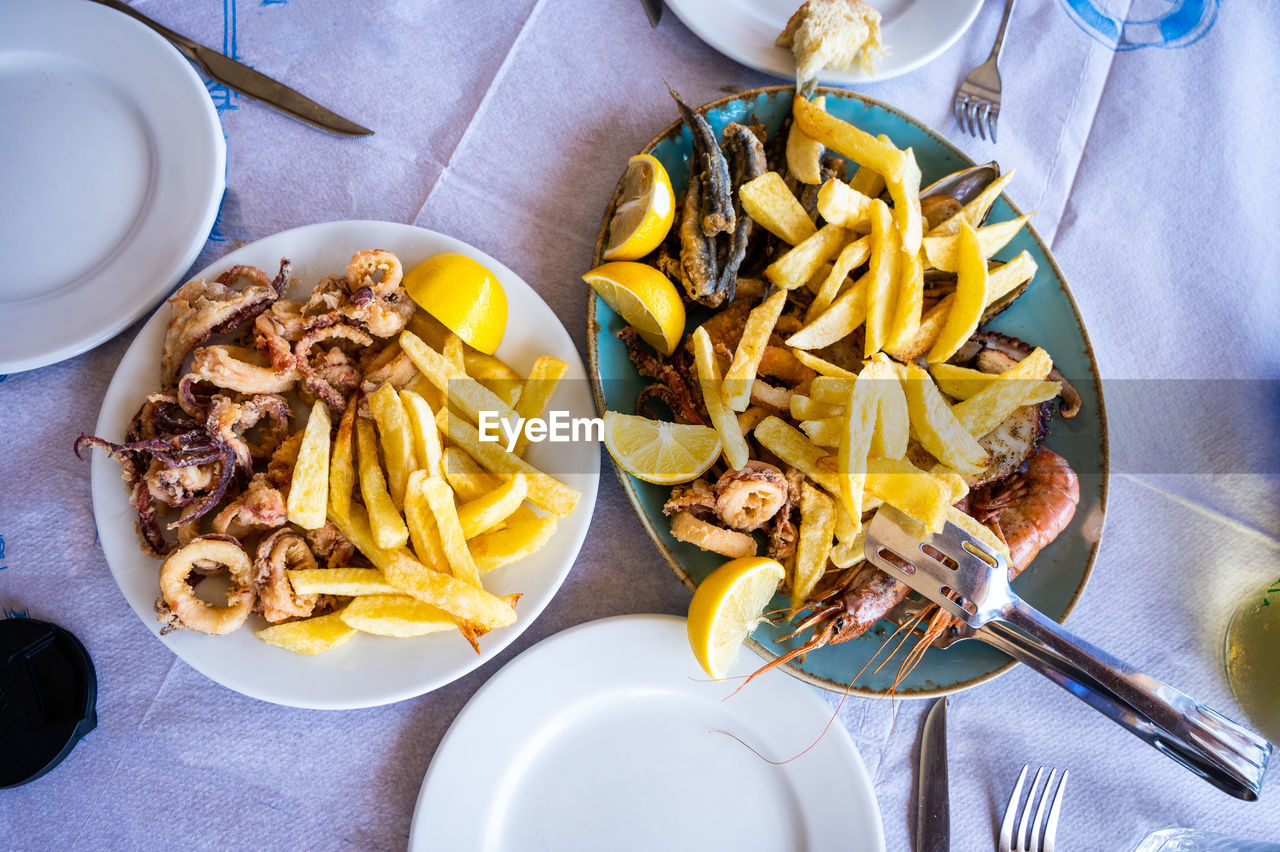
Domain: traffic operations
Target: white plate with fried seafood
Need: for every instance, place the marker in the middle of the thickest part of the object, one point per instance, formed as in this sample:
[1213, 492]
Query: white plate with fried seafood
[368, 670]
[621, 742]
[112, 166]
[914, 32]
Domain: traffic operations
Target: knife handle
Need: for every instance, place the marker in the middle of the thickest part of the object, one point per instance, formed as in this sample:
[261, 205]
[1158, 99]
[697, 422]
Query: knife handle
[186, 46]
[1222, 752]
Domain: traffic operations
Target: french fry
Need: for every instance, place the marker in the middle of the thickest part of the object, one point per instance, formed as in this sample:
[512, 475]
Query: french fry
[772, 206]
[893, 427]
[822, 367]
[748, 419]
[800, 263]
[454, 596]
[309, 488]
[522, 514]
[859, 427]
[832, 391]
[978, 531]
[545, 491]
[867, 180]
[851, 256]
[465, 476]
[342, 472]
[394, 614]
[976, 210]
[813, 285]
[452, 351]
[885, 251]
[817, 529]
[348, 582]
[791, 446]
[395, 434]
[944, 252]
[904, 189]
[736, 388]
[906, 487]
[452, 538]
[826, 432]
[514, 542]
[846, 554]
[804, 155]
[544, 376]
[938, 429]
[970, 298]
[427, 450]
[841, 204]
[909, 306]
[423, 530]
[807, 408]
[988, 408]
[468, 395]
[960, 383]
[736, 453]
[846, 313]
[848, 141]
[310, 635]
[484, 513]
[388, 527]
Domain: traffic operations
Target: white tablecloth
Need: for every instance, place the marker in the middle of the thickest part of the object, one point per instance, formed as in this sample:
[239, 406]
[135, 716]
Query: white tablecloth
[506, 124]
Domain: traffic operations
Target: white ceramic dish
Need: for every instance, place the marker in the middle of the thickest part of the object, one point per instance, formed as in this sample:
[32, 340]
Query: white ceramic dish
[914, 31]
[368, 670]
[609, 736]
[112, 166]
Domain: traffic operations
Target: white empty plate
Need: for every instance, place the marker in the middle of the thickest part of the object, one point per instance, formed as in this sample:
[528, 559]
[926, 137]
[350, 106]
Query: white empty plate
[914, 32]
[112, 166]
[609, 736]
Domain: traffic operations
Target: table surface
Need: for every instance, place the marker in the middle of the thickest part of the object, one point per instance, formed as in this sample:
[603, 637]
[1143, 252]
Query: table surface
[507, 125]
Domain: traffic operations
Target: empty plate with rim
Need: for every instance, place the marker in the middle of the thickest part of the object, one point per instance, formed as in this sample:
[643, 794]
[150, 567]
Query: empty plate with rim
[914, 32]
[609, 736]
[112, 166]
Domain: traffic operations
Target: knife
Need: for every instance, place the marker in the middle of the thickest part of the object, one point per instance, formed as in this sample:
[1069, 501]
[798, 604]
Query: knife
[652, 8]
[248, 82]
[933, 811]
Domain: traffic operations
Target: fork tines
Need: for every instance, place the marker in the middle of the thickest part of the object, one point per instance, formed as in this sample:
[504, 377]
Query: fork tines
[1035, 831]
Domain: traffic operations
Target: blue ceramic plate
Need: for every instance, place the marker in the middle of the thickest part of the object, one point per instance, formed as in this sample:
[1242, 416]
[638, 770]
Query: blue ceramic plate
[1045, 315]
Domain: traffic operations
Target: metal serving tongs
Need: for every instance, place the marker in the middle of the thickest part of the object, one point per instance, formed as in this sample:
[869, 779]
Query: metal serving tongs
[969, 580]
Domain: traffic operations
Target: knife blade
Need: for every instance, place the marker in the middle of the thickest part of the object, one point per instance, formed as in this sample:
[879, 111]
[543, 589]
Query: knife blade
[652, 8]
[247, 81]
[933, 810]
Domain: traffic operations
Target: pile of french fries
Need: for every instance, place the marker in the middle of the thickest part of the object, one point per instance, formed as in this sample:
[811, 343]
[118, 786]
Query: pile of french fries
[430, 506]
[849, 430]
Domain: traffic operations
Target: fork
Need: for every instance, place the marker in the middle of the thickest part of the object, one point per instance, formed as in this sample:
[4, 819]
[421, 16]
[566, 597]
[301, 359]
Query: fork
[1037, 840]
[977, 103]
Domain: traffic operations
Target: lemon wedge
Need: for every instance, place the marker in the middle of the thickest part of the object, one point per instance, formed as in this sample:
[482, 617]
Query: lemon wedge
[658, 452]
[645, 211]
[462, 294]
[727, 606]
[644, 298]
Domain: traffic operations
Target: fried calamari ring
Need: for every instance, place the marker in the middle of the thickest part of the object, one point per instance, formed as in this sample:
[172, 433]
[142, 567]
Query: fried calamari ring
[180, 597]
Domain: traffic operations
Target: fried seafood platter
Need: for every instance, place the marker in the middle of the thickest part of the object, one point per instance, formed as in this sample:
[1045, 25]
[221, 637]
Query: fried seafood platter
[310, 425]
[963, 389]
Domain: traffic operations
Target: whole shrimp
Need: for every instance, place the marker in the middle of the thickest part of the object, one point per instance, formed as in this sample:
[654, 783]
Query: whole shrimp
[1028, 511]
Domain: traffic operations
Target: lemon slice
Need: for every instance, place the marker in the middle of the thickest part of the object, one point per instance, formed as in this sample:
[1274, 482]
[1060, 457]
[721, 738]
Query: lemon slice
[657, 452]
[645, 211]
[644, 298]
[462, 294]
[727, 606]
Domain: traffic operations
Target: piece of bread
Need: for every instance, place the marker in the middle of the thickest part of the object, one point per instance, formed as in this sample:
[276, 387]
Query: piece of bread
[832, 34]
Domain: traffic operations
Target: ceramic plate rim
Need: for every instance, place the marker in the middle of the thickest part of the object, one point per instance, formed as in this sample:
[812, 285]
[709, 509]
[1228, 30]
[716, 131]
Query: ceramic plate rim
[778, 62]
[842, 745]
[629, 487]
[201, 158]
[121, 547]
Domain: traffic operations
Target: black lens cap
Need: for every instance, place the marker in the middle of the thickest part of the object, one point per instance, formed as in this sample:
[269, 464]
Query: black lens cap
[48, 693]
